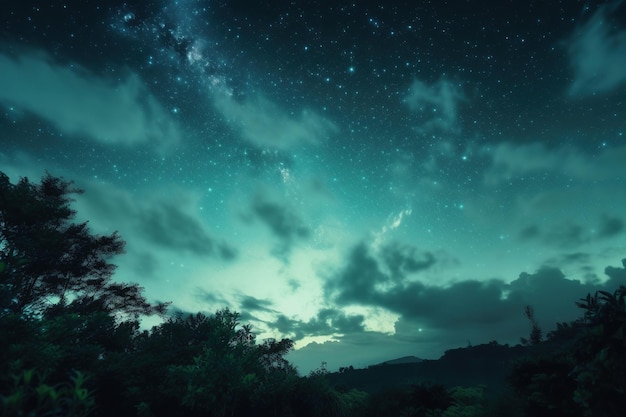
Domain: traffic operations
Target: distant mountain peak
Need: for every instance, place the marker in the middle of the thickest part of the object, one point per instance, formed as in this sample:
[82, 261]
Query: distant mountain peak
[402, 360]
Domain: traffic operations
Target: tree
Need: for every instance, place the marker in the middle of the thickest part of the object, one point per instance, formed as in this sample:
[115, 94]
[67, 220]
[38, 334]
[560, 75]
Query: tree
[231, 373]
[536, 334]
[580, 370]
[47, 259]
[601, 354]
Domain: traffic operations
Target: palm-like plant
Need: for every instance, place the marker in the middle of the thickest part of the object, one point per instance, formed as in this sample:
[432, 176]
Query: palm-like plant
[601, 355]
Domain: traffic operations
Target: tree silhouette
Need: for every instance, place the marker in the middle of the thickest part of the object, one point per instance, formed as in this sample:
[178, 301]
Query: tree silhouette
[536, 334]
[47, 259]
[601, 354]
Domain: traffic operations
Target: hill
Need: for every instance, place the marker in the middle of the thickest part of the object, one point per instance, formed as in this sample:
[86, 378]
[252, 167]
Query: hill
[486, 364]
[402, 360]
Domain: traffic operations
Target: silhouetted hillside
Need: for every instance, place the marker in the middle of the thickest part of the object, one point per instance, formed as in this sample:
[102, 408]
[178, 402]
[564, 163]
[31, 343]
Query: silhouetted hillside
[402, 360]
[486, 364]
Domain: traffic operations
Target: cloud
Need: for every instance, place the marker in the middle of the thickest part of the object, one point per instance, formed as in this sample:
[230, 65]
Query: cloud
[453, 307]
[327, 322]
[282, 222]
[264, 124]
[78, 102]
[597, 53]
[617, 276]
[510, 161]
[210, 298]
[402, 260]
[610, 226]
[478, 309]
[357, 349]
[562, 235]
[436, 105]
[434, 318]
[568, 234]
[393, 222]
[251, 304]
[356, 283]
[160, 223]
[166, 225]
[365, 276]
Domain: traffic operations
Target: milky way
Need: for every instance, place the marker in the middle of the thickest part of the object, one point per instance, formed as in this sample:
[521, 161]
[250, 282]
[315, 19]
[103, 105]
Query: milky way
[372, 180]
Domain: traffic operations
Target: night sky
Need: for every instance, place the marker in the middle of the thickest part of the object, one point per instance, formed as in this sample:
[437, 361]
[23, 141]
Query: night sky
[370, 179]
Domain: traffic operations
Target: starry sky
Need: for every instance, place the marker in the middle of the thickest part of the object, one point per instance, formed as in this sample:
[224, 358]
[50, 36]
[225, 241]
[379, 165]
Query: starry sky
[370, 179]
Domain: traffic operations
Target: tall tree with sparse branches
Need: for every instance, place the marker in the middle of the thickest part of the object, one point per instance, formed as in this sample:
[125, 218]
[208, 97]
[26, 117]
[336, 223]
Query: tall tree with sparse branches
[47, 259]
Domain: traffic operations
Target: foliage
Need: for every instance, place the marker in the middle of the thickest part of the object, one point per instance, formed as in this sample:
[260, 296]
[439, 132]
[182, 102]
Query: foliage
[31, 395]
[600, 373]
[581, 369]
[543, 381]
[46, 258]
[421, 400]
[466, 402]
[220, 378]
[536, 334]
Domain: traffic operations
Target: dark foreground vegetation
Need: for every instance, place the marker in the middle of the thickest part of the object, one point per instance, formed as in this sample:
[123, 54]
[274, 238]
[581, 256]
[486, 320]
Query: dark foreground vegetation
[71, 345]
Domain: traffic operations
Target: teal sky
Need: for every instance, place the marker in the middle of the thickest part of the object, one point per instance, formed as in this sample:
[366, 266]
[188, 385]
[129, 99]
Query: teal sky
[370, 179]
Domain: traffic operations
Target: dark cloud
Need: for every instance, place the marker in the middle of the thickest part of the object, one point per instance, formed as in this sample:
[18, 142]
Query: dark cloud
[327, 322]
[209, 298]
[577, 257]
[450, 307]
[285, 225]
[484, 311]
[530, 232]
[167, 226]
[481, 310]
[552, 295]
[160, 222]
[433, 319]
[251, 304]
[617, 276]
[145, 263]
[610, 226]
[366, 274]
[578, 263]
[569, 235]
[227, 252]
[403, 259]
[356, 283]
[566, 235]
[362, 282]
[598, 52]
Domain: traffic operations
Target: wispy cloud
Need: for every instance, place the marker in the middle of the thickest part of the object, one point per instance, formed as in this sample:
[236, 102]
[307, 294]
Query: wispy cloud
[435, 104]
[284, 224]
[392, 223]
[597, 53]
[151, 222]
[568, 234]
[509, 160]
[78, 102]
[263, 123]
